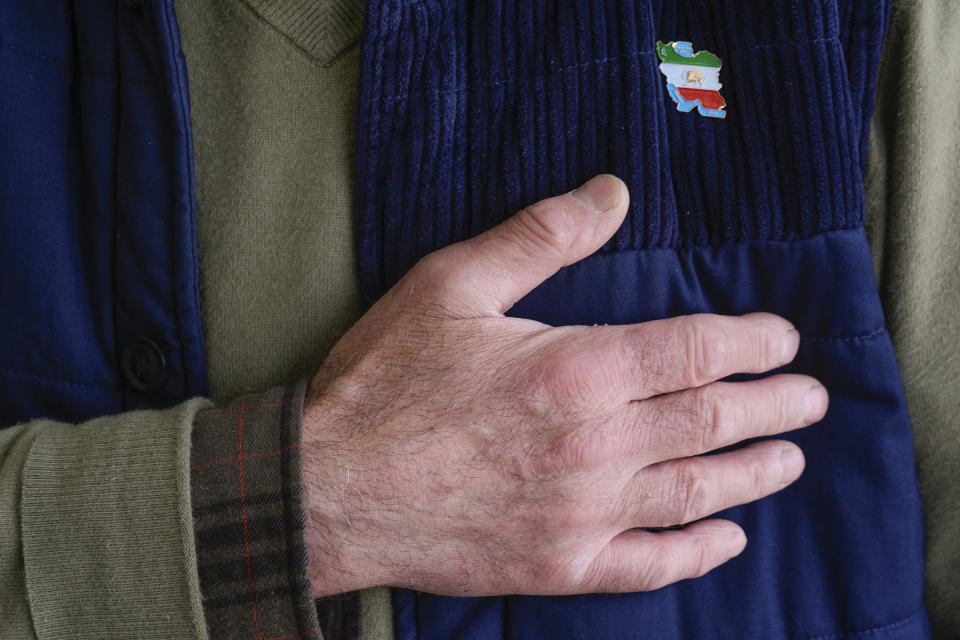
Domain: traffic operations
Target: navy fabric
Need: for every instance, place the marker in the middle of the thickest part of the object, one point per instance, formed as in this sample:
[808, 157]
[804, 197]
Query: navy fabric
[96, 207]
[469, 111]
[841, 550]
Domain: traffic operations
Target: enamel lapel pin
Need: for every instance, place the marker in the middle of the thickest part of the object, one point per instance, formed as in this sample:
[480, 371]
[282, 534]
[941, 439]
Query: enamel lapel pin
[693, 79]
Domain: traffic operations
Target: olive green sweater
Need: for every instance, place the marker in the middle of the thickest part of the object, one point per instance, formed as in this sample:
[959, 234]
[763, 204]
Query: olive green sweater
[913, 221]
[96, 523]
[273, 95]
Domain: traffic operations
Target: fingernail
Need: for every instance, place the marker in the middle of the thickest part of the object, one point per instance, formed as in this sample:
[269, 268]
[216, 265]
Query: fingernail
[791, 340]
[791, 464]
[736, 542]
[815, 403]
[728, 535]
[601, 194]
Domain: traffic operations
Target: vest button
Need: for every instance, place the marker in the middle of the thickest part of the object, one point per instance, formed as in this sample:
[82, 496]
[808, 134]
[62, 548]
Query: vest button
[143, 364]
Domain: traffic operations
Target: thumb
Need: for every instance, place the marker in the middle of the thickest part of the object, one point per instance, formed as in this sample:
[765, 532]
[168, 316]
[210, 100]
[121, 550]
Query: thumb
[489, 273]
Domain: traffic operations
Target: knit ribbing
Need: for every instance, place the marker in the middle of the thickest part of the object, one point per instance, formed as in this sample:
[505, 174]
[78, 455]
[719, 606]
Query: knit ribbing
[322, 28]
[470, 111]
[108, 540]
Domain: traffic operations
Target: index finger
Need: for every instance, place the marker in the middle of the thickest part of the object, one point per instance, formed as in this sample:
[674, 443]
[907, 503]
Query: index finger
[663, 356]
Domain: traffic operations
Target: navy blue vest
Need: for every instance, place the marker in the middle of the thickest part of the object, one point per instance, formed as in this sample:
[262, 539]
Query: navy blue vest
[471, 110]
[99, 308]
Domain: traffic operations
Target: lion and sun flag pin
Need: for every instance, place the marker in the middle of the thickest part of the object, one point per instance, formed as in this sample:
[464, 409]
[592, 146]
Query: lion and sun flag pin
[693, 79]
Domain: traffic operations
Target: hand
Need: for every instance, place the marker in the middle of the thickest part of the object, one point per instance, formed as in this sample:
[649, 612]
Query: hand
[453, 450]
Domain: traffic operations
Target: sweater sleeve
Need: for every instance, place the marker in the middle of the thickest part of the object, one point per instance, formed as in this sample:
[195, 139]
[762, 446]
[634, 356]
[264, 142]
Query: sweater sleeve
[97, 535]
[913, 196]
[184, 523]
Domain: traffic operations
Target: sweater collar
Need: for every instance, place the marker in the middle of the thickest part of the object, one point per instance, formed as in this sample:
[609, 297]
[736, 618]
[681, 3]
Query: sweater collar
[323, 29]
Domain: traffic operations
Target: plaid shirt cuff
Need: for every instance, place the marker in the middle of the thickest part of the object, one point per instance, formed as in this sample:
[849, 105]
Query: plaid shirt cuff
[249, 521]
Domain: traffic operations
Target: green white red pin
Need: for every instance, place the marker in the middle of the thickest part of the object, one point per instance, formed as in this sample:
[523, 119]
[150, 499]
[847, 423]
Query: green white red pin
[693, 79]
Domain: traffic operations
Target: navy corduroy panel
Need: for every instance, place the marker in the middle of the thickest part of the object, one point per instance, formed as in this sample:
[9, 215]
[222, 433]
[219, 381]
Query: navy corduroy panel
[470, 110]
[96, 208]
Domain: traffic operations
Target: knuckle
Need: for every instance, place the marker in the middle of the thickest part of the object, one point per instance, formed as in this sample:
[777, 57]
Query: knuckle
[638, 357]
[769, 345]
[433, 266]
[691, 492]
[544, 226]
[761, 479]
[559, 534]
[783, 410]
[633, 501]
[429, 279]
[722, 415]
[553, 379]
[706, 351]
[568, 379]
[584, 449]
[649, 572]
[700, 559]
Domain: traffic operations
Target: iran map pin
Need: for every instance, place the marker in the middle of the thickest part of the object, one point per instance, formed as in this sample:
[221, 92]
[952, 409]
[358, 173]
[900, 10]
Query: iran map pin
[693, 79]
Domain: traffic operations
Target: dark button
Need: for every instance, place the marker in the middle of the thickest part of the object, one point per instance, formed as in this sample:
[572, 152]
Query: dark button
[144, 367]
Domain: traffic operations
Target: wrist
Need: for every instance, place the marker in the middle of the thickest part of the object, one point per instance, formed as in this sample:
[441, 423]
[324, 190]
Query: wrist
[342, 550]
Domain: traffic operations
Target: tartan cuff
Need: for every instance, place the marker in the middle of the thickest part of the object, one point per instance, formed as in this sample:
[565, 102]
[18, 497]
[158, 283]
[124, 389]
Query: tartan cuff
[249, 522]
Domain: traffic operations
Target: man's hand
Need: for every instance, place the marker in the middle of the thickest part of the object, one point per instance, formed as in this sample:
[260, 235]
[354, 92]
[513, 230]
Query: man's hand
[450, 449]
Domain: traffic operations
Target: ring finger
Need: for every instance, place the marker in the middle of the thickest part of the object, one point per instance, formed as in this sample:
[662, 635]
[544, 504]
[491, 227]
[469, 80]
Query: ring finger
[684, 490]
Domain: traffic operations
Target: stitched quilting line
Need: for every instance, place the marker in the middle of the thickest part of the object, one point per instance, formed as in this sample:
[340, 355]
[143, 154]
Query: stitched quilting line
[385, 101]
[54, 62]
[246, 531]
[866, 632]
[34, 54]
[863, 336]
[204, 465]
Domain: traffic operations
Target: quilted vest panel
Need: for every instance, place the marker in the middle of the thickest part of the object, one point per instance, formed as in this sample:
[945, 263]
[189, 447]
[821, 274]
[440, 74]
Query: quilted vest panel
[98, 288]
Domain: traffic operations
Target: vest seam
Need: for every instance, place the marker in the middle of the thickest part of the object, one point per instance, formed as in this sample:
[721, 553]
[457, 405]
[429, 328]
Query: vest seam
[183, 153]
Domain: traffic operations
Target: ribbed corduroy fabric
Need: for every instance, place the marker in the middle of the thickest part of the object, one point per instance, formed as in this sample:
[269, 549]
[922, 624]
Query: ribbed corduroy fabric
[471, 111]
